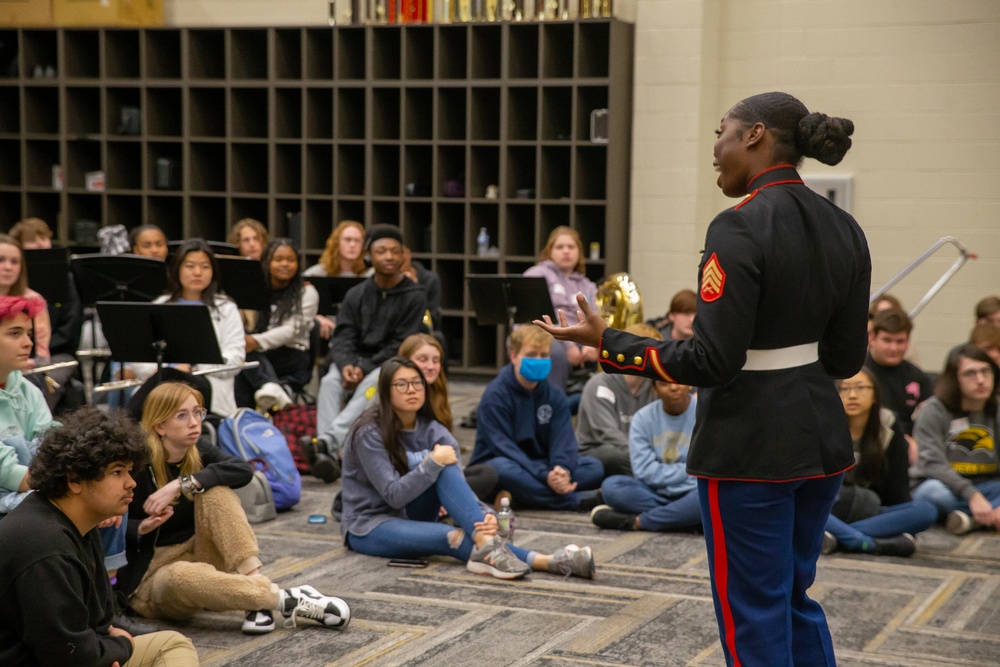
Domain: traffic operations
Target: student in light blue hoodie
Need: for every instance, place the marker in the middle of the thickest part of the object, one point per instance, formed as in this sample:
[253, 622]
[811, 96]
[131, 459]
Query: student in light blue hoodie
[661, 496]
[24, 414]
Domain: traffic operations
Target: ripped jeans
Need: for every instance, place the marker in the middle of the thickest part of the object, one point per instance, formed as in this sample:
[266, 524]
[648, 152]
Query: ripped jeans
[421, 534]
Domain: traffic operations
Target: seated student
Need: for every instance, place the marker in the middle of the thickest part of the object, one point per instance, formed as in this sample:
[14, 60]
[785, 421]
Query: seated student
[401, 466]
[678, 322]
[149, 241]
[606, 409]
[66, 318]
[189, 544]
[342, 256]
[523, 430]
[194, 279]
[57, 605]
[14, 282]
[958, 469]
[375, 318]
[661, 496]
[24, 414]
[873, 512]
[250, 236]
[280, 339]
[562, 264]
[903, 384]
[986, 336]
[425, 351]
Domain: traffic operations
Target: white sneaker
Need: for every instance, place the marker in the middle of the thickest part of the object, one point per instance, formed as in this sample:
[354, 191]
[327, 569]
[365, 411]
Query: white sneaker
[307, 602]
[271, 398]
[960, 523]
[259, 622]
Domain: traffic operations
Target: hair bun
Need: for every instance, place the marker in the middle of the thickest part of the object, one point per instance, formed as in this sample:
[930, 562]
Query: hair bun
[824, 138]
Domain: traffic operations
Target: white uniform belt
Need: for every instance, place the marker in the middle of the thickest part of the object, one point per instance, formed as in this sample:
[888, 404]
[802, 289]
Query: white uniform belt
[783, 357]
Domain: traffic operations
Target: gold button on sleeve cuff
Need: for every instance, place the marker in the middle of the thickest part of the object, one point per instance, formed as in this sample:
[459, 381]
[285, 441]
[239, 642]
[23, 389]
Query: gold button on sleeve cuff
[604, 354]
[637, 360]
[621, 358]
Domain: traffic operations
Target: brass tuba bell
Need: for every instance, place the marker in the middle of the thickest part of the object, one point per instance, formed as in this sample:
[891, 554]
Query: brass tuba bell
[619, 302]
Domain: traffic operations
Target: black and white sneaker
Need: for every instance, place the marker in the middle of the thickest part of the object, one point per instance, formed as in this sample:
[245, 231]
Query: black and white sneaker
[605, 516]
[259, 622]
[307, 602]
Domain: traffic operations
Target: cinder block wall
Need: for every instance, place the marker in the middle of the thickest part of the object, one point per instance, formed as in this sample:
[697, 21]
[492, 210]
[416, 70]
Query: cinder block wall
[921, 80]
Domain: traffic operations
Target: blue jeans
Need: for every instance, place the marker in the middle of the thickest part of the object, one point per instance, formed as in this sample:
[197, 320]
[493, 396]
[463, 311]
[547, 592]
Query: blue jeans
[939, 495]
[911, 517]
[656, 512]
[529, 492]
[421, 535]
[763, 540]
[333, 423]
[113, 540]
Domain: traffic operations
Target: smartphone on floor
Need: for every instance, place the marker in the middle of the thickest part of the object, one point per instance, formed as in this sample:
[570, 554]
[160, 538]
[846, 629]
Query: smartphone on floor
[408, 562]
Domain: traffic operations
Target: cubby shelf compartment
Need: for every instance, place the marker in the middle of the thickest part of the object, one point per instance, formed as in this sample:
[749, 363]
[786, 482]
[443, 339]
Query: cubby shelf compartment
[441, 129]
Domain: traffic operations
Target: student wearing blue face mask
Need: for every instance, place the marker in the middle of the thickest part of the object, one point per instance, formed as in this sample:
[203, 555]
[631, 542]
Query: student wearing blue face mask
[523, 431]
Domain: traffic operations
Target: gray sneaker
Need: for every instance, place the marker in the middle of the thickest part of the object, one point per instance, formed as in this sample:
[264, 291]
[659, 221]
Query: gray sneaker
[571, 559]
[829, 543]
[495, 559]
[960, 523]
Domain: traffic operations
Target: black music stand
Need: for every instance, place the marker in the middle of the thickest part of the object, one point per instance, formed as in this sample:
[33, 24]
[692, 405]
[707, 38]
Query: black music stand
[332, 290]
[218, 248]
[48, 272]
[162, 333]
[242, 280]
[509, 299]
[118, 277]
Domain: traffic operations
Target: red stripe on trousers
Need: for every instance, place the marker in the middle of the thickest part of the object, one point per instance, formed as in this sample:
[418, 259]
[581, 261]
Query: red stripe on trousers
[722, 569]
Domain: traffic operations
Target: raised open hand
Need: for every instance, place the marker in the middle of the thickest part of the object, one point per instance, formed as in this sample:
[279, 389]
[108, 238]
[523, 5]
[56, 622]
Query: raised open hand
[586, 330]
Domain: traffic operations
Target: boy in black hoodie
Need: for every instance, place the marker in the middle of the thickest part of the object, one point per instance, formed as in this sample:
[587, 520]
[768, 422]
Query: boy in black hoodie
[374, 319]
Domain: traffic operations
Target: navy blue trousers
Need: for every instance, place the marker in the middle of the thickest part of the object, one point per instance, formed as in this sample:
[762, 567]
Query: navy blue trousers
[763, 540]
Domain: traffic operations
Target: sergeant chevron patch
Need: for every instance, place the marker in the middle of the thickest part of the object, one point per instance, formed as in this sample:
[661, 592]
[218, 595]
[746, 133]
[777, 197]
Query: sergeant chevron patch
[713, 279]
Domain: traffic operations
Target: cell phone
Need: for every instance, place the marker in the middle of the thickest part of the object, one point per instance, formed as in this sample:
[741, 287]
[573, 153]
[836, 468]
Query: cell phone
[408, 562]
[317, 518]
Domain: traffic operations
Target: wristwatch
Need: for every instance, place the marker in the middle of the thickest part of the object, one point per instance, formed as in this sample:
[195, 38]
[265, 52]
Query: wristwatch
[188, 486]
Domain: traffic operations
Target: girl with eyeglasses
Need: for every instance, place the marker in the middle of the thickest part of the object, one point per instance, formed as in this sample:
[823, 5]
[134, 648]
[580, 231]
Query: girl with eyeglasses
[873, 512]
[401, 466]
[958, 469]
[190, 546]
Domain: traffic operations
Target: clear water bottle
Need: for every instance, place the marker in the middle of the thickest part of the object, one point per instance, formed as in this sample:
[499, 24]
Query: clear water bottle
[483, 242]
[505, 521]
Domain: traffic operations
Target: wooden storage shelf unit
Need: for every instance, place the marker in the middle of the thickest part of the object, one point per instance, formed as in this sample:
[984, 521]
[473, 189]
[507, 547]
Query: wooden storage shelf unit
[416, 126]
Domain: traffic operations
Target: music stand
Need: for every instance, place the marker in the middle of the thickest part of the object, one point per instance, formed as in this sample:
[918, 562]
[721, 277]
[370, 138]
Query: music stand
[48, 272]
[332, 290]
[161, 333]
[218, 248]
[509, 299]
[242, 280]
[118, 277]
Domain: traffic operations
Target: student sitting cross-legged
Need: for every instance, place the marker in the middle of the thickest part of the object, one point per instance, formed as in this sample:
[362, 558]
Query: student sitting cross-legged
[873, 512]
[523, 430]
[661, 496]
[57, 607]
[190, 546]
[401, 467]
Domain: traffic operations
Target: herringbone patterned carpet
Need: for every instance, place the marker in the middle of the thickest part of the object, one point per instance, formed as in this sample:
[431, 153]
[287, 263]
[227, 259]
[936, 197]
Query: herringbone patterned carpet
[649, 605]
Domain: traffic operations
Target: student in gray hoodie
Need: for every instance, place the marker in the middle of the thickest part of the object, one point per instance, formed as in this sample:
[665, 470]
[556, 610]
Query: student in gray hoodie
[958, 469]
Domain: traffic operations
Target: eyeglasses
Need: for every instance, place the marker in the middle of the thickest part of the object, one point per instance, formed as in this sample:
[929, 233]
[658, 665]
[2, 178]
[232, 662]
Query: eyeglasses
[976, 372]
[183, 417]
[402, 386]
[859, 389]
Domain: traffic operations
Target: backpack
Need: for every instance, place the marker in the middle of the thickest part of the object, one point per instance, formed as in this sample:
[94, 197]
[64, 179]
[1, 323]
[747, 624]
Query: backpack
[250, 435]
[256, 498]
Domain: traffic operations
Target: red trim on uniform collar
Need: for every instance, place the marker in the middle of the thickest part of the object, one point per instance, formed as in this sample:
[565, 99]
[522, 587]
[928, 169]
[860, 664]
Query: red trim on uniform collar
[761, 173]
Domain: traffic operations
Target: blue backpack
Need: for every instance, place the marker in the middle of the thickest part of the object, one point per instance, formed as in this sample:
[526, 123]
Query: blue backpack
[252, 437]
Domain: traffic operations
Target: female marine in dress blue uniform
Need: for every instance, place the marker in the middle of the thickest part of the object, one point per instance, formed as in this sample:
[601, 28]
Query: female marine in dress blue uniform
[782, 309]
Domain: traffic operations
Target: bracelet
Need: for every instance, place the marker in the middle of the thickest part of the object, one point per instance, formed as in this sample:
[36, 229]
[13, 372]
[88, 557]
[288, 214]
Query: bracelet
[188, 487]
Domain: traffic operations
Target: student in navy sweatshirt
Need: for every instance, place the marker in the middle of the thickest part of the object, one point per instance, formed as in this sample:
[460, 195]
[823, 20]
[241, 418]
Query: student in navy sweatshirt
[523, 430]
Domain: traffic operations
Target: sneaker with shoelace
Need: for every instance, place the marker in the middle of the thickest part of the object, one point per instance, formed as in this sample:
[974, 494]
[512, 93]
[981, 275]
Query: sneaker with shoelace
[495, 559]
[301, 602]
[573, 560]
